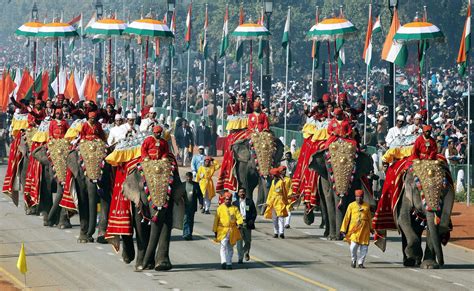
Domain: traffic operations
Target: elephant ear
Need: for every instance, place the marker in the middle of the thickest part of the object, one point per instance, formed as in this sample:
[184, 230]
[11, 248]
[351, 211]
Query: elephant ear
[318, 164]
[280, 148]
[241, 151]
[364, 165]
[73, 163]
[132, 186]
[40, 155]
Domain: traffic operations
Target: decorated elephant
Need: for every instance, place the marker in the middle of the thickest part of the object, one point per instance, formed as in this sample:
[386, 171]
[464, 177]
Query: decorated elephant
[154, 214]
[254, 158]
[92, 178]
[426, 202]
[341, 169]
[55, 215]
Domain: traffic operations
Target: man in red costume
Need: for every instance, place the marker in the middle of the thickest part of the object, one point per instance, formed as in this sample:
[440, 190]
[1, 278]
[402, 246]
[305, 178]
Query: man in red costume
[352, 113]
[425, 147]
[92, 129]
[58, 127]
[232, 107]
[154, 147]
[339, 127]
[258, 121]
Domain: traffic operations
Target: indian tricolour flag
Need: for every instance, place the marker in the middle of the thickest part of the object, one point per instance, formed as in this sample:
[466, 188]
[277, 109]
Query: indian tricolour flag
[187, 37]
[225, 33]
[204, 36]
[371, 29]
[465, 43]
[393, 51]
[285, 41]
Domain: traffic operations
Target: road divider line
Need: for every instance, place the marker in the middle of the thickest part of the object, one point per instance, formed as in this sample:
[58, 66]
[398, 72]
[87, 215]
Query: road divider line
[458, 284]
[436, 277]
[375, 256]
[281, 269]
[414, 270]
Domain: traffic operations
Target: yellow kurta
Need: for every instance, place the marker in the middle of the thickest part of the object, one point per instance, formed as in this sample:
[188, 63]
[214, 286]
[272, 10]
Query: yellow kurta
[289, 190]
[227, 219]
[204, 178]
[277, 199]
[357, 223]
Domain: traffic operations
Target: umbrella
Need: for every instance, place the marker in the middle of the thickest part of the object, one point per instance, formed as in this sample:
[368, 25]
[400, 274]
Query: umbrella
[328, 30]
[148, 28]
[251, 31]
[420, 32]
[107, 28]
[30, 29]
[54, 31]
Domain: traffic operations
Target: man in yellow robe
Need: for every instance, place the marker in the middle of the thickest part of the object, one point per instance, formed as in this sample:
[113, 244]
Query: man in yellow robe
[227, 224]
[357, 227]
[204, 178]
[277, 201]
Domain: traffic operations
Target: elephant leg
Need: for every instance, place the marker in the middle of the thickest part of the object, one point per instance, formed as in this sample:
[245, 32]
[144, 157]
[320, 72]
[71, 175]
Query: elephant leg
[162, 259]
[331, 206]
[433, 257]
[92, 200]
[413, 249]
[54, 213]
[64, 221]
[46, 199]
[128, 250]
[83, 205]
[324, 216]
[261, 195]
[103, 220]
[155, 233]
[142, 235]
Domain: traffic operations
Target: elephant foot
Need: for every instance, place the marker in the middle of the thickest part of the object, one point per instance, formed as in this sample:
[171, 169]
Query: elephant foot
[138, 268]
[163, 266]
[82, 240]
[47, 223]
[126, 259]
[409, 262]
[90, 239]
[30, 211]
[321, 226]
[332, 237]
[326, 233]
[65, 225]
[101, 240]
[429, 264]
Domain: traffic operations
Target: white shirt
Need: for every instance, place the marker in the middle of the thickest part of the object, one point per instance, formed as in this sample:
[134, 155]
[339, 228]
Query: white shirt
[242, 208]
[116, 133]
[126, 127]
[145, 124]
[395, 132]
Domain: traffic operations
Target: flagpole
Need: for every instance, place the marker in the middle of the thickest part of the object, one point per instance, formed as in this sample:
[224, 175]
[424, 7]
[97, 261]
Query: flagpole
[365, 98]
[93, 59]
[312, 84]
[468, 171]
[187, 82]
[241, 73]
[82, 47]
[171, 82]
[286, 86]
[115, 70]
[223, 93]
[204, 89]
[394, 93]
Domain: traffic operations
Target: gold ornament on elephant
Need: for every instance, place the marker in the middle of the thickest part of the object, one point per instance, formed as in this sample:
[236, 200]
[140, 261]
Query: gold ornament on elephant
[431, 175]
[92, 154]
[264, 145]
[29, 133]
[58, 150]
[342, 155]
[157, 173]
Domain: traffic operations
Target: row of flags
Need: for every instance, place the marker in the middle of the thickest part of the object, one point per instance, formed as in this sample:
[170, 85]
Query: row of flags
[21, 85]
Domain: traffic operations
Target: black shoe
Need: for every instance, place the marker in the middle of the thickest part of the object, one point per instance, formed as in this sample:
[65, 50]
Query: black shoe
[229, 267]
[223, 266]
[207, 212]
[247, 257]
[361, 266]
[275, 235]
[203, 211]
[90, 239]
[282, 235]
[101, 240]
[241, 261]
[353, 264]
[188, 237]
[287, 226]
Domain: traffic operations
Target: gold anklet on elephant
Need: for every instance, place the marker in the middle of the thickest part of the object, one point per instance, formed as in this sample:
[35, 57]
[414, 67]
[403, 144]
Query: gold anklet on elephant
[341, 157]
[263, 147]
[431, 181]
[156, 174]
[92, 154]
[58, 150]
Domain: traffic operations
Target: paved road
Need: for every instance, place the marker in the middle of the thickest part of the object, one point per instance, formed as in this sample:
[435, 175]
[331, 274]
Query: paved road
[302, 261]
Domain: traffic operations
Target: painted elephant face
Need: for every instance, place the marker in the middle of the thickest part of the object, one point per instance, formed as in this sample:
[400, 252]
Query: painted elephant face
[262, 143]
[429, 179]
[341, 164]
[92, 154]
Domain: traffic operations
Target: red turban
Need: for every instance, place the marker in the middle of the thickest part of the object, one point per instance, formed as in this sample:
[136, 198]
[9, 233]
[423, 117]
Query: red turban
[338, 111]
[275, 172]
[342, 97]
[208, 158]
[359, 193]
[326, 97]
[110, 101]
[427, 128]
[227, 195]
[282, 168]
[92, 114]
[157, 129]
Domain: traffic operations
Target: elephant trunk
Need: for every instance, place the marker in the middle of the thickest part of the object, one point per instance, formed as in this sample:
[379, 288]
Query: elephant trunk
[434, 237]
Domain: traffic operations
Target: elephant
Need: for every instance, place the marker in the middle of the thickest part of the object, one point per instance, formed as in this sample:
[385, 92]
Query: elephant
[333, 207]
[55, 214]
[412, 217]
[89, 194]
[152, 237]
[246, 171]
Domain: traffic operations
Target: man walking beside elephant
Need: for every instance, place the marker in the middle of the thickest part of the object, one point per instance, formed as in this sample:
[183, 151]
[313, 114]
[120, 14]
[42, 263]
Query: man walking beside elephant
[249, 214]
[204, 178]
[192, 197]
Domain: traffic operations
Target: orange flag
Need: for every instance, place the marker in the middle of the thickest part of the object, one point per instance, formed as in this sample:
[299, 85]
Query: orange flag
[71, 90]
[6, 88]
[25, 85]
[45, 85]
[92, 87]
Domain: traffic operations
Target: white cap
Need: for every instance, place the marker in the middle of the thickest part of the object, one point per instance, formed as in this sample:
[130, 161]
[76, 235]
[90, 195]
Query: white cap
[400, 118]
[152, 110]
[418, 116]
[131, 116]
[201, 147]
[118, 117]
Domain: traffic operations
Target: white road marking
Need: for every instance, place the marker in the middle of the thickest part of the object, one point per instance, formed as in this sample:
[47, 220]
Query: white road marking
[10, 202]
[99, 248]
[374, 256]
[414, 270]
[148, 274]
[307, 232]
[67, 231]
[176, 289]
[162, 282]
[458, 284]
[110, 254]
[436, 277]
[340, 244]
[323, 238]
[76, 236]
